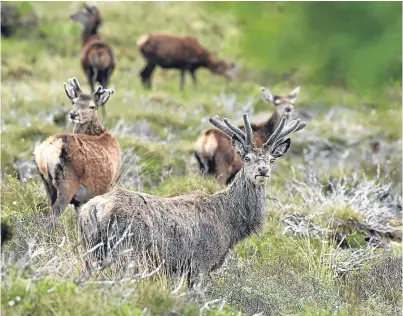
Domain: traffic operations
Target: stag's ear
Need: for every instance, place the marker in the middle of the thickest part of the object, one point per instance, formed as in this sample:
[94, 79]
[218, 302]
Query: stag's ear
[293, 94]
[281, 148]
[72, 90]
[267, 95]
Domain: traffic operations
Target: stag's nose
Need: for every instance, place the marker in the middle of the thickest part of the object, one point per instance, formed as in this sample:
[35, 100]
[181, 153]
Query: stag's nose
[263, 170]
[288, 109]
[73, 115]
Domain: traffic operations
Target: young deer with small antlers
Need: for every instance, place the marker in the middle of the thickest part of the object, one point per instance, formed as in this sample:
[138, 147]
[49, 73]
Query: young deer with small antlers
[98, 60]
[76, 167]
[213, 150]
[192, 233]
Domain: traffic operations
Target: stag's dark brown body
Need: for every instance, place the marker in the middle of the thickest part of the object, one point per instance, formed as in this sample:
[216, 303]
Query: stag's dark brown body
[183, 53]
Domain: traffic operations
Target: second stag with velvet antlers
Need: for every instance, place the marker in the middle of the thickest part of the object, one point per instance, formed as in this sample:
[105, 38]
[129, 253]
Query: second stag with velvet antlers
[213, 150]
[188, 234]
[76, 167]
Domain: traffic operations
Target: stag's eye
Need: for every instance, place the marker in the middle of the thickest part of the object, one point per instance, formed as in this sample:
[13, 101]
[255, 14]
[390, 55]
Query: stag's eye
[91, 105]
[272, 160]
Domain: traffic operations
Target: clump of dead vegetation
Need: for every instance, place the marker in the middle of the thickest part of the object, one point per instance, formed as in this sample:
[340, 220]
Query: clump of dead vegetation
[344, 205]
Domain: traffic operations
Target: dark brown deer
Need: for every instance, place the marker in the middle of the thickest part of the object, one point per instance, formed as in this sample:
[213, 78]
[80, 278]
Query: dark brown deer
[213, 150]
[98, 60]
[183, 53]
[76, 167]
[192, 233]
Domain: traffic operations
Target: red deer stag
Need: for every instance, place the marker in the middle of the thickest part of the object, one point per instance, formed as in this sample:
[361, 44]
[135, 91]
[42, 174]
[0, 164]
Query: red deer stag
[98, 60]
[183, 53]
[213, 150]
[77, 167]
[188, 234]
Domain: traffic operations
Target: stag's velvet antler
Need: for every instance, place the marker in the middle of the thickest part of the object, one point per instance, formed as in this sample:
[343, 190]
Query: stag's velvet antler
[102, 95]
[242, 141]
[283, 131]
[72, 90]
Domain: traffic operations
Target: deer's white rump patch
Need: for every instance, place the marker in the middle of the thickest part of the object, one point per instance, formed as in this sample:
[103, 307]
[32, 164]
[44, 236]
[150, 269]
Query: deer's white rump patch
[206, 146]
[142, 40]
[47, 156]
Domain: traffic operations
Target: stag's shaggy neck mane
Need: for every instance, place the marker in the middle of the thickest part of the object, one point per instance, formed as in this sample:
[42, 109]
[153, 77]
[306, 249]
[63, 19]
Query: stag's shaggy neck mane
[244, 206]
[93, 128]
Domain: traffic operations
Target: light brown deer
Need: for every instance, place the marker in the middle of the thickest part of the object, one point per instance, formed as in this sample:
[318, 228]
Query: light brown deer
[77, 167]
[192, 233]
[213, 150]
[183, 53]
[97, 61]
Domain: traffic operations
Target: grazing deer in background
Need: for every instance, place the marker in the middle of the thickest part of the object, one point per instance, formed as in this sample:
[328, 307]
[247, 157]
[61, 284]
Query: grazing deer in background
[213, 150]
[192, 233]
[98, 60]
[77, 167]
[183, 53]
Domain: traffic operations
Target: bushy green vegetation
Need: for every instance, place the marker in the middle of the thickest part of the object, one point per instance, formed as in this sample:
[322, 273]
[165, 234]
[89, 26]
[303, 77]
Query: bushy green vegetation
[347, 59]
[353, 44]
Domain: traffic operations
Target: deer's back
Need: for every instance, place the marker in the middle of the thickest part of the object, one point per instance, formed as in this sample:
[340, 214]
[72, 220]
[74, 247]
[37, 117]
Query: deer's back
[177, 228]
[170, 50]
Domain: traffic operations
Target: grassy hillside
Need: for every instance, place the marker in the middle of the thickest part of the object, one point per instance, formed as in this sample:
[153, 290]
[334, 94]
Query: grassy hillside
[332, 241]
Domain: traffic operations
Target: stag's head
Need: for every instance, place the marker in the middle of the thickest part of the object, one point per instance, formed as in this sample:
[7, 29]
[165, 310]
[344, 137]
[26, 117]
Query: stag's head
[258, 162]
[284, 104]
[85, 106]
[90, 15]
[224, 68]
